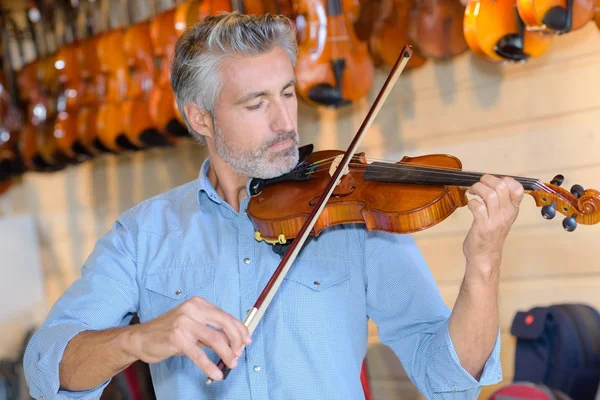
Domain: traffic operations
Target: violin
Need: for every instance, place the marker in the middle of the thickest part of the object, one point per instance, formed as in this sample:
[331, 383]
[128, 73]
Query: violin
[37, 85]
[114, 68]
[11, 118]
[390, 32]
[334, 68]
[559, 16]
[437, 28]
[11, 122]
[92, 85]
[163, 35]
[138, 126]
[69, 98]
[495, 32]
[411, 195]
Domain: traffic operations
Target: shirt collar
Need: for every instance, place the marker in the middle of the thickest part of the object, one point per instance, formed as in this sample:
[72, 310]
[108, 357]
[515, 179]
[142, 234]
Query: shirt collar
[207, 187]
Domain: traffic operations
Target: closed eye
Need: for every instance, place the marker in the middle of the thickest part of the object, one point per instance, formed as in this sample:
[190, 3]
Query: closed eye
[255, 107]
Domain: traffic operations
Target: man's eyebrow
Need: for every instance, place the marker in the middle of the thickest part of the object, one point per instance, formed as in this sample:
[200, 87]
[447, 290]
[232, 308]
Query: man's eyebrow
[253, 95]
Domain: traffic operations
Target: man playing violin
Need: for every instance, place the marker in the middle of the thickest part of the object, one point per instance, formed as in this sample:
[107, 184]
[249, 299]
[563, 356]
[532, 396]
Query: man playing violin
[187, 263]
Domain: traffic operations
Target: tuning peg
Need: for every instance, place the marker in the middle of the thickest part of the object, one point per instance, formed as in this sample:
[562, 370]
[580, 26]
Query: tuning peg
[569, 223]
[549, 210]
[577, 191]
[558, 180]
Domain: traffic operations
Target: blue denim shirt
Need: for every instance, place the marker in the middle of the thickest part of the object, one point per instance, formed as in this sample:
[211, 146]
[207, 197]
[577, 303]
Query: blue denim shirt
[312, 340]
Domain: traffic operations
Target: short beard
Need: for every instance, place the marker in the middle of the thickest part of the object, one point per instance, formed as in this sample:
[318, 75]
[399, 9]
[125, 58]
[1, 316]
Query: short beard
[259, 163]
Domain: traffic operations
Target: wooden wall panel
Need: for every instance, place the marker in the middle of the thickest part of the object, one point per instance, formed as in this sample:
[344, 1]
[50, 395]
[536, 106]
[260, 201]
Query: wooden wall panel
[536, 119]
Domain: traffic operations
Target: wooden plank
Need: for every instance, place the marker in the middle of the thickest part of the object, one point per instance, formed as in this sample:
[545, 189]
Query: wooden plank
[520, 295]
[533, 253]
[444, 77]
[502, 102]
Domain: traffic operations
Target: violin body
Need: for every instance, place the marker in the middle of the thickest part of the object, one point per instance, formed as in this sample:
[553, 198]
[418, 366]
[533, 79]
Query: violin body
[553, 16]
[437, 28]
[138, 126]
[378, 205]
[37, 144]
[92, 95]
[161, 99]
[494, 32]
[65, 126]
[390, 33]
[114, 68]
[11, 122]
[334, 68]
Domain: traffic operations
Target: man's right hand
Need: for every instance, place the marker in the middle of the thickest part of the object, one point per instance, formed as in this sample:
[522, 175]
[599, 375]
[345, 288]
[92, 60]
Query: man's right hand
[184, 331]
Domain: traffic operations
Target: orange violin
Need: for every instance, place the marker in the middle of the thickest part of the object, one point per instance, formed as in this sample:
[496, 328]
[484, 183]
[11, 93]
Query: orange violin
[334, 68]
[436, 27]
[390, 33]
[92, 86]
[71, 88]
[494, 31]
[560, 16]
[11, 119]
[37, 86]
[163, 35]
[138, 125]
[115, 70]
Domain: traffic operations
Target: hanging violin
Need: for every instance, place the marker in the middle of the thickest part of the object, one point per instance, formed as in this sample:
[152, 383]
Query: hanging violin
[334, 68]
[560, 16]
[494, 31]
[93, 83]
[71, 88]
[161, 99]
[390, 32]
[436, 28]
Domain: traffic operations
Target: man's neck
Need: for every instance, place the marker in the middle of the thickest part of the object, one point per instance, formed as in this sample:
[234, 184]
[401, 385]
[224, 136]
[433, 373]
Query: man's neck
[230, 186]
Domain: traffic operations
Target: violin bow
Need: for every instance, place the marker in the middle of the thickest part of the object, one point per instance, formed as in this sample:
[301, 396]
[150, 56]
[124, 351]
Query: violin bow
[255, 314]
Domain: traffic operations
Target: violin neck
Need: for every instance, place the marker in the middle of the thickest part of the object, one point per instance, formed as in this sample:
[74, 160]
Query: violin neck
[430, 175]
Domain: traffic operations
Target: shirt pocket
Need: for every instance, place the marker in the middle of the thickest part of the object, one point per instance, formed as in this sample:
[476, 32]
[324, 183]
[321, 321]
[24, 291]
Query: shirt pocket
[170, 287]
[315, 294]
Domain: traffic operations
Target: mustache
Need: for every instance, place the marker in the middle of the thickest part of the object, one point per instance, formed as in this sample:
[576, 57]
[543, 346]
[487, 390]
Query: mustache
[281, 138]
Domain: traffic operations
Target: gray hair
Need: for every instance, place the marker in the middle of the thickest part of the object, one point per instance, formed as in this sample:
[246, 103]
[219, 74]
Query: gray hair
[195, 68]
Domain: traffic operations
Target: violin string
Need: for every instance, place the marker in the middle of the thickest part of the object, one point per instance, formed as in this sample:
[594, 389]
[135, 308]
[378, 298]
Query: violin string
[423, 168]
[322, 165]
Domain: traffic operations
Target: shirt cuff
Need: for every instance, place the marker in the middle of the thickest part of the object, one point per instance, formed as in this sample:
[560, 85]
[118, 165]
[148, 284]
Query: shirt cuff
[48, 346]
[446, 374]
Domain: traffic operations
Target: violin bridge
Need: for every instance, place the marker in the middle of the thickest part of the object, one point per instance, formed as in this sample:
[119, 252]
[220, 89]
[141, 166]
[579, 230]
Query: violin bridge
[334, 165]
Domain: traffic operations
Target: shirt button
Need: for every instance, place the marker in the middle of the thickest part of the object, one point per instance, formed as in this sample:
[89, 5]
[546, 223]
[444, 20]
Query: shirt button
[256, 368]
[42, 398]
[246, 260]
[453, 388]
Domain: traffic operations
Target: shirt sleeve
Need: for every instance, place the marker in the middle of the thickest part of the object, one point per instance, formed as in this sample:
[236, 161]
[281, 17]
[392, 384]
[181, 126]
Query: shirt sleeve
[105, 296]
[412, 319]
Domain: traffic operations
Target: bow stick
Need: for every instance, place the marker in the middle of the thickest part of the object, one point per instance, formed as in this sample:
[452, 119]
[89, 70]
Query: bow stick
[257, 311]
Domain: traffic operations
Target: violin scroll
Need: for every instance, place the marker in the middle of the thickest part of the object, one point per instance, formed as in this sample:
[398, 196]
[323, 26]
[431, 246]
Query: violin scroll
[578, 205]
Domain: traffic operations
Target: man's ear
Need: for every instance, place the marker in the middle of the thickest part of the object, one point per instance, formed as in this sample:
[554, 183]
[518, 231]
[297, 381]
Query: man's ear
[199, 119]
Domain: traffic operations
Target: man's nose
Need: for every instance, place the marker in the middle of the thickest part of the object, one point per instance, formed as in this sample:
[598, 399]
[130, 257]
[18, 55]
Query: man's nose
[282, 119]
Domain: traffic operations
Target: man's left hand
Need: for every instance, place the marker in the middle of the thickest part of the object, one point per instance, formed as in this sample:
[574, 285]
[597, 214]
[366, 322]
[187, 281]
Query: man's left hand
[494, 213]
